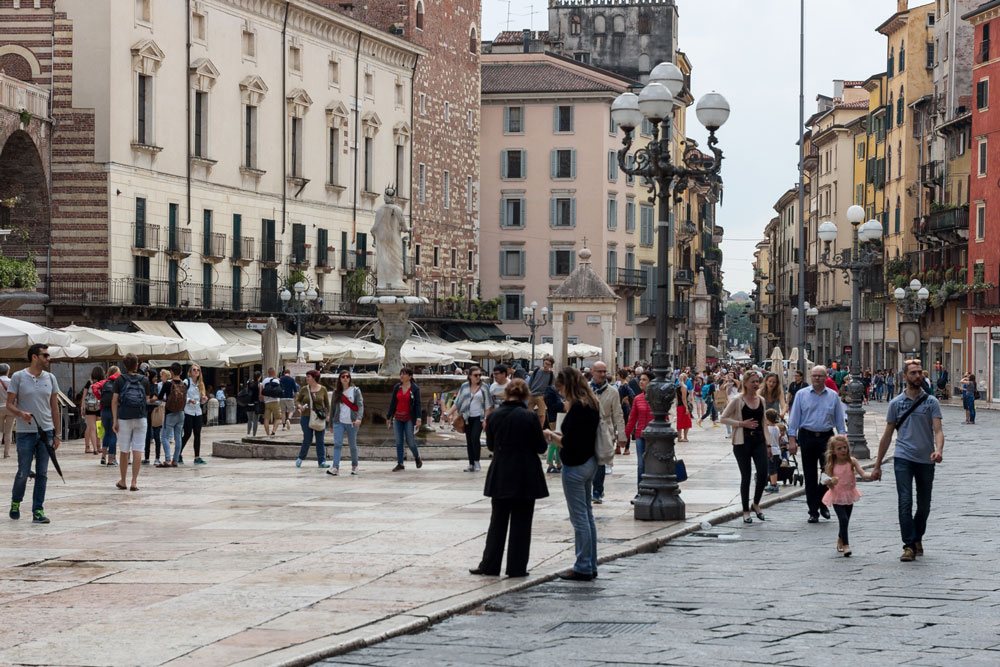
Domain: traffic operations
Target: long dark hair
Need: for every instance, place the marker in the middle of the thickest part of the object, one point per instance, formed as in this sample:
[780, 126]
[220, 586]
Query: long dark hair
[338, 392]
[575, 387]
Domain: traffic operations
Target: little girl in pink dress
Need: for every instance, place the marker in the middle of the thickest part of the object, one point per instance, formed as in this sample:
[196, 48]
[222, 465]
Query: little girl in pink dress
[842, 492]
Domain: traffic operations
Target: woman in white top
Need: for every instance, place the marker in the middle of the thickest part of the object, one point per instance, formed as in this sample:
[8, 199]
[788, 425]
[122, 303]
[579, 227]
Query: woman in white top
[196, 397]
[348, 411]
[473, 402]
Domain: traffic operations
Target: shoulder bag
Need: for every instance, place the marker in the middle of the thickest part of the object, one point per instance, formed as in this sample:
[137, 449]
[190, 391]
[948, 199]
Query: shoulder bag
[317, 414]
[916, 404]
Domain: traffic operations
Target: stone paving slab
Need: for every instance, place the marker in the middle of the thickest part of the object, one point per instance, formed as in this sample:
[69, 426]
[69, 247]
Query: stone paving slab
[261, 563]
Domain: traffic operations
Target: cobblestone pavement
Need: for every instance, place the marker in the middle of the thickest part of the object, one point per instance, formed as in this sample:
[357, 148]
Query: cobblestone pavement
[774, 592]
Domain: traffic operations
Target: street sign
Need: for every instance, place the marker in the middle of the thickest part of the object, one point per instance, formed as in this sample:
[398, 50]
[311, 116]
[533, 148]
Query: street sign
[257, 324]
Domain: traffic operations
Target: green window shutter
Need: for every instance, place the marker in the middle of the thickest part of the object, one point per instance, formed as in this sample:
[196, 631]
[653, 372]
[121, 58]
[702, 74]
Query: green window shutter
[506, 119]
[555, 118]
[523, 212]
[571, 119]
[553, 212]
[572, 261]
[503, 212]
[554, 162]
[520, 263]
[572, 212]
[552, 263]
[502, 267]
[524, 164]
[572, 168]
[503, 164]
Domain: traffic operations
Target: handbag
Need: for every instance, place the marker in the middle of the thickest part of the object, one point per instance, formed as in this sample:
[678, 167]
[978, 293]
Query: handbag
[156, 418]
[458, 424]
[605, 445]
[317, 416]
[680, 470]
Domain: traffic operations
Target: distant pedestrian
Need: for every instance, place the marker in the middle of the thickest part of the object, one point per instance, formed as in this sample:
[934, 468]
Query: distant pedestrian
[745, 416]
[683, 408]
[578, 441]
[514, 481]
[313, 400]
[842, 471]
[7, 419]
[498, 388]
[270, 395]
[347, 412]
[639, 417]
[472, 403]
[173, 393]
[554, 404]
[91, 407]
[890, 385]
[196, 399]
[627, 396]
[540, 379]
[816, 415]
[109, 443]
[251, 398]
[612, 424]
[772, 431]
[970, 391]
[129, 411]
[156, 413]
[404, 417]
[289, 388]
[33, 397]
[915, 416]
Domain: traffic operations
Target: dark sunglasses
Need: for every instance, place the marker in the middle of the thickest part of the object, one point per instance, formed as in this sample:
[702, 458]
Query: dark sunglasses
[46, 355]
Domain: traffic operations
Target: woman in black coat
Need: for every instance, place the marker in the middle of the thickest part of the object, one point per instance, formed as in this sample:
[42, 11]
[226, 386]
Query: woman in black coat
[514, 481]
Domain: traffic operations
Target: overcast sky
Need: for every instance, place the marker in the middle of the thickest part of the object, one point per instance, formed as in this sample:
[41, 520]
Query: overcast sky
[748, 50]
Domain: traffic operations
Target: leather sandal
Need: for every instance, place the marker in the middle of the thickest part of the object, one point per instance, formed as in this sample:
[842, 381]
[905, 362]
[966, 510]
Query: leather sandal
[120, 486]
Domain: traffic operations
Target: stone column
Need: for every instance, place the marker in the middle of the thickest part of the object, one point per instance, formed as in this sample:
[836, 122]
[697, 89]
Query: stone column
[560, 348]
[608, 355]
[393, 315]
[700, 349]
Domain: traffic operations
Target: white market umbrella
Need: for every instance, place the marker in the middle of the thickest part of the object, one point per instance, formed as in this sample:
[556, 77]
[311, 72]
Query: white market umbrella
[114, 345]
[420, 353]
[71, 352]
[583, 351]
[485, 349]
[16, 336]
[350, 351]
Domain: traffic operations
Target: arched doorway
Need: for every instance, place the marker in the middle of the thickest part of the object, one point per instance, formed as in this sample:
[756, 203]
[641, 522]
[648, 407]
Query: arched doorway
[24, 197]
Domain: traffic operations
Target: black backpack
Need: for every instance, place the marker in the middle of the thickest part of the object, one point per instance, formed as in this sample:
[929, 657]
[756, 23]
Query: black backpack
[133, 393]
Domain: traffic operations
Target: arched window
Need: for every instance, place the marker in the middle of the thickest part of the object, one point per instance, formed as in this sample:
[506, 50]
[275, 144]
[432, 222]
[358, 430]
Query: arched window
[899, 160]
[473, 40]
[890, 64]
[644, 24]
[574, 25]
[888, 161]
[900, 107]
[619, 24]
[889, 115]
[643, 63]
[902, 56]
[600, 26]
[899, 212]
[420, 15]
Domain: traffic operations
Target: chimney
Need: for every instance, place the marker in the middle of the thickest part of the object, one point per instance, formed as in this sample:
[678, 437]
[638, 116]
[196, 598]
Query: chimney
[902, 5]
[838, 89]
[526, 40]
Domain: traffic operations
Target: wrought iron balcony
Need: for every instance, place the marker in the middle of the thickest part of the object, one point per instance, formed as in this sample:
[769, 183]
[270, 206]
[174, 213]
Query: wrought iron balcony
[214, 249]
[270, 253]
[299, 258]
[178, 243]
[632, 281]
[987, 301]
[242, 251]
[145, 240]
[676, 310]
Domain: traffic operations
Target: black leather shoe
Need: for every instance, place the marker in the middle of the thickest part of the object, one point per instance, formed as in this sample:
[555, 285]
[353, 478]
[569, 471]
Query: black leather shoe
[481, 572]
[573, 575]
[517, 575]
[813, 519]
[824, 512]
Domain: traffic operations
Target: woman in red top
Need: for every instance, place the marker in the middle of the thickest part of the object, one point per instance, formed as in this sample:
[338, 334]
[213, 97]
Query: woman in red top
[404, 416]
[640, 415]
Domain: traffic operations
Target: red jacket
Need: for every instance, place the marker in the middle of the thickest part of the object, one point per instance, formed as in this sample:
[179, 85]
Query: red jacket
[640, 415]
[832, 384]
[98, 386]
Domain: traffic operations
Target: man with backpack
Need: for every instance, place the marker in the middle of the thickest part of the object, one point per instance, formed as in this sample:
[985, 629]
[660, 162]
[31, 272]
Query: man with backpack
[708, 395]
[110, 441]
[132, 393]
[174, 395]
[915, 417]
[289, 388]
[540, 379]
[270, 394]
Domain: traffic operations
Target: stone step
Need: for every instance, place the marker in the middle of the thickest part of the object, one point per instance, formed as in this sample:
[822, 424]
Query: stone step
[371, 447]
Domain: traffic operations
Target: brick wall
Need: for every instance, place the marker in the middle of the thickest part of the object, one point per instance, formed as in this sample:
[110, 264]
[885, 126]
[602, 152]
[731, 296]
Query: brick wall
[449, 73]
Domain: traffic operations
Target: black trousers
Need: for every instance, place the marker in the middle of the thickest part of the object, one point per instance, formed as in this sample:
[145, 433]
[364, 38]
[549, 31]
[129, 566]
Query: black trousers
[473, 429]
[813, 446]
[844, 518]
[757, 454]
[518, 514]
[192, 424]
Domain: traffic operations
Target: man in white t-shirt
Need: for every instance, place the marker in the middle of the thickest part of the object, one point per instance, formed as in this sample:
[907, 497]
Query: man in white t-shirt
[270, 394]
[501, 377]
[6, 418]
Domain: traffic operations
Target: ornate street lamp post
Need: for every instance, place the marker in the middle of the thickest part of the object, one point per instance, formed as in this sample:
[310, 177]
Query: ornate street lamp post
[533, 323]
[911, 302]
[298, 306]
[659, 495]
[865, 250]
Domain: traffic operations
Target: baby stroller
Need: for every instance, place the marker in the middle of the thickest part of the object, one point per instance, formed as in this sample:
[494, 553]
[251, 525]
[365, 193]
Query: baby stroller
[788, 471]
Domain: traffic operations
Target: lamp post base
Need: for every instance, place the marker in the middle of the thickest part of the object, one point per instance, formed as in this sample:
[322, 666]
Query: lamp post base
[659, 494]
[856, 421]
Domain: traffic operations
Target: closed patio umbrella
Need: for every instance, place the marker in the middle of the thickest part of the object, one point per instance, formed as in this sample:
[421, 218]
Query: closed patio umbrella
[269, 346]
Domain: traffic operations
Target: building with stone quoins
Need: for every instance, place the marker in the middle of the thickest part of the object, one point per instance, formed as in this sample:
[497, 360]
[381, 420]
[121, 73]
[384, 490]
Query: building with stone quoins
[203, 153]
[445, 196]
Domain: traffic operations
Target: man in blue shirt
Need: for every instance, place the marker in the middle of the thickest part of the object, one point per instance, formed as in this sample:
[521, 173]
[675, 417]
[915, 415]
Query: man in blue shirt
[919, 446]
[815, 415]
[289, 387]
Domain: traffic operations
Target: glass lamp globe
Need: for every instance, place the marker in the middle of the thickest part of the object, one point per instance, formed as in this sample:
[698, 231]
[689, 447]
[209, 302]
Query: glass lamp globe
[899, 293]
[655, 102]
[855, 215]
[712, 111]
[545, 311]
[923, 294]
[670, 76]
[311, 294]
[285, 295]
[300, 287]
[827, 232]
[915, 285]
[872, 230]
[526, 311]
[812, 312]
[795, 312]
[625, 111]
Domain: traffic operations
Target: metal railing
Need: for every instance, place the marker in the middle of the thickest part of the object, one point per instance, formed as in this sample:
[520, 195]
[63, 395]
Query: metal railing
[146, 236]
[243, 248]
[988, 300]
[270, 251]
[299, 256]
[676, 310]
[948, 219]
[215, 245]
[179, 240]
[626, 278]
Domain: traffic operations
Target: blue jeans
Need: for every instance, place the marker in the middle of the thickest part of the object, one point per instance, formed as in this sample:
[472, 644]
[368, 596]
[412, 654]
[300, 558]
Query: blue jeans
[339, 429]
[640, 451]
[578, 486]
[599, 476]
[404, 431]
[173, 427]
[110, 442]
[912, 526]
[308, 435]
[31, 448]
[970, 405]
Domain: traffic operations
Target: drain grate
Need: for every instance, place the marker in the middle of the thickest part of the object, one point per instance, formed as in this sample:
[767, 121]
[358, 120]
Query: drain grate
[601, 628]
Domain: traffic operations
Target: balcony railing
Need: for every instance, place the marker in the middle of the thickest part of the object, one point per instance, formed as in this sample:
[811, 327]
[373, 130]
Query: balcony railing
[985, 301]
[187, 296]
[949, 220]
[145, 239]
[626, 278]
[299, 256]
[214, 246]
[684, 278]
[243, 250]
[179, 241]
[16, 95]
[270, 252]
[676, 310]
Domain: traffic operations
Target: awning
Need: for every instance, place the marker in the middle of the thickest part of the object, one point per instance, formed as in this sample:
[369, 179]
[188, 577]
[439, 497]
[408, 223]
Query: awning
[114, 345]
[155, 327]
[473, 332]
[200, 332]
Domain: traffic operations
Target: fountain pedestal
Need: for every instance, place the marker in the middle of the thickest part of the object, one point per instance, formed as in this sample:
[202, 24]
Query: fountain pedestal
[396, 328]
